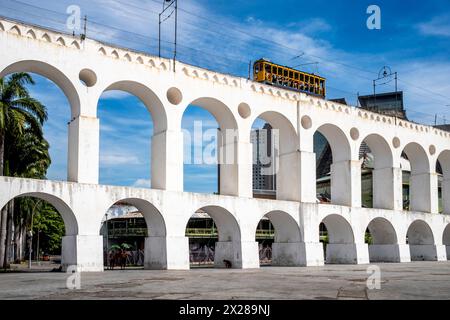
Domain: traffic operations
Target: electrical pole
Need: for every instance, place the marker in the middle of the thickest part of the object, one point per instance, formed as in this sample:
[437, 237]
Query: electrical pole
[175, 3]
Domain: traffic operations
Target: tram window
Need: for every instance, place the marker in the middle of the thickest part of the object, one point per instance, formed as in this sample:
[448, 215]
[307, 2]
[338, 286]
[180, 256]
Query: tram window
[302, 77]
[291, 74]
[268, 68]
[274, 70]
[257, 68]
[296, 76]
[280, 71]
[285, 73]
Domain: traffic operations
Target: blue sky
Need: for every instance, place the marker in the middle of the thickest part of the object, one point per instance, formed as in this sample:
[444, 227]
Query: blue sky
[414, 40]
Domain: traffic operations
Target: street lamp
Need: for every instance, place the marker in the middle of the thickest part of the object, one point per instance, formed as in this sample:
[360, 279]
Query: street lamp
[30, 233]
[107, 245]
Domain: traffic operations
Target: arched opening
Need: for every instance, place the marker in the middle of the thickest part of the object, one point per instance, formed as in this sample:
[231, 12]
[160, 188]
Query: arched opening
[131, 119]
[446, 240]
[210, 135]
[279, 238]
[417, 182]
[55, 91]
[421, 241]
[274, 141]
[443, 170]
[377, 187]
[214, 238]
[40, 230]
[333, 166]
[336, 234]
[382, 240]
[134, 236]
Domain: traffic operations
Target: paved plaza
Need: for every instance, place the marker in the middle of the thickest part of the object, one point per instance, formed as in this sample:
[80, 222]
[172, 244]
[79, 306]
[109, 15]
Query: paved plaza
[415, 280]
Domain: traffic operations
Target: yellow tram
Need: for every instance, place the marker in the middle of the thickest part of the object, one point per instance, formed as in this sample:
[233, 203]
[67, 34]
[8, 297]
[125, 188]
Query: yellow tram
[273, 74]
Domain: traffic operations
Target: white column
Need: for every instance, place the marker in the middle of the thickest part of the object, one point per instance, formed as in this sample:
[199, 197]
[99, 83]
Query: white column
[85, 252]
[83, 152]
[171, 253]
[242, 255]
[446, 194]
[387, 188]
[428, 252]
[423, 192]
[389, 253]
[296, 179]
[167, 161]
[297, 254]
[346, 183]
[347, 253]
[236, 163]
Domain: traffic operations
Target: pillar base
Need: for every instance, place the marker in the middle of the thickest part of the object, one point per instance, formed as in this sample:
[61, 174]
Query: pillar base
[389, 253]
[448, 252]
[243, 255]
[84, 252]
[155, 257]
[347, 253]
[428, 252]
[296, 254]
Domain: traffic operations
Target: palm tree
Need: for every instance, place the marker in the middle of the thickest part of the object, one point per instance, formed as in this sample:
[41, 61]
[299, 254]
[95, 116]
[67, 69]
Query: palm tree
[18, 110]
[22, 147]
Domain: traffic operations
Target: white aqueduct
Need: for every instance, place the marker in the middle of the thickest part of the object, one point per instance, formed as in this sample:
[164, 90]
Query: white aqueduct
[398, 236]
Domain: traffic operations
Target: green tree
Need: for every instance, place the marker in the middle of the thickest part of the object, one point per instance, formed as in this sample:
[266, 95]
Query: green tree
[23, 150]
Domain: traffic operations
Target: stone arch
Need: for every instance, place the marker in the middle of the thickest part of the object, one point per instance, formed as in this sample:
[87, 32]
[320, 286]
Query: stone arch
[228, 247]
[337, 171]
[420, 233]
[52, 73]
[339, 229]
[288, 133]
[381, 173]
[46, 37]
[225, 143]
[421, 241]
[148, 97]
[287, 229]
[341, 247]
[285, 144]
[382, 232]
[444, 161]
[417, 157]
[446, 240]
[384, 246]
[422, 189]
[156, 224]
[68, 216]
[75, 44]
[221, 112]
[286, 248]
[339, 143]
[155, 248]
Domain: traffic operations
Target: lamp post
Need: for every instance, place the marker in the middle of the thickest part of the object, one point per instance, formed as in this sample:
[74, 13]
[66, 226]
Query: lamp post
[30, 233]
[107, 244]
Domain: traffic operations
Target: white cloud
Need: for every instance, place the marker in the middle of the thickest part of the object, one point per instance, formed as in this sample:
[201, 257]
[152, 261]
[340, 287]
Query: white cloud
[438, 26]
[110, 159]
[142, 183]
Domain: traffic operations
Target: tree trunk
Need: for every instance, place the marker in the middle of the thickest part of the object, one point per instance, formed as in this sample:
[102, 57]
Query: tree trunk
[4, 215]
[18, 241]
[2, 154]
[9, 235]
